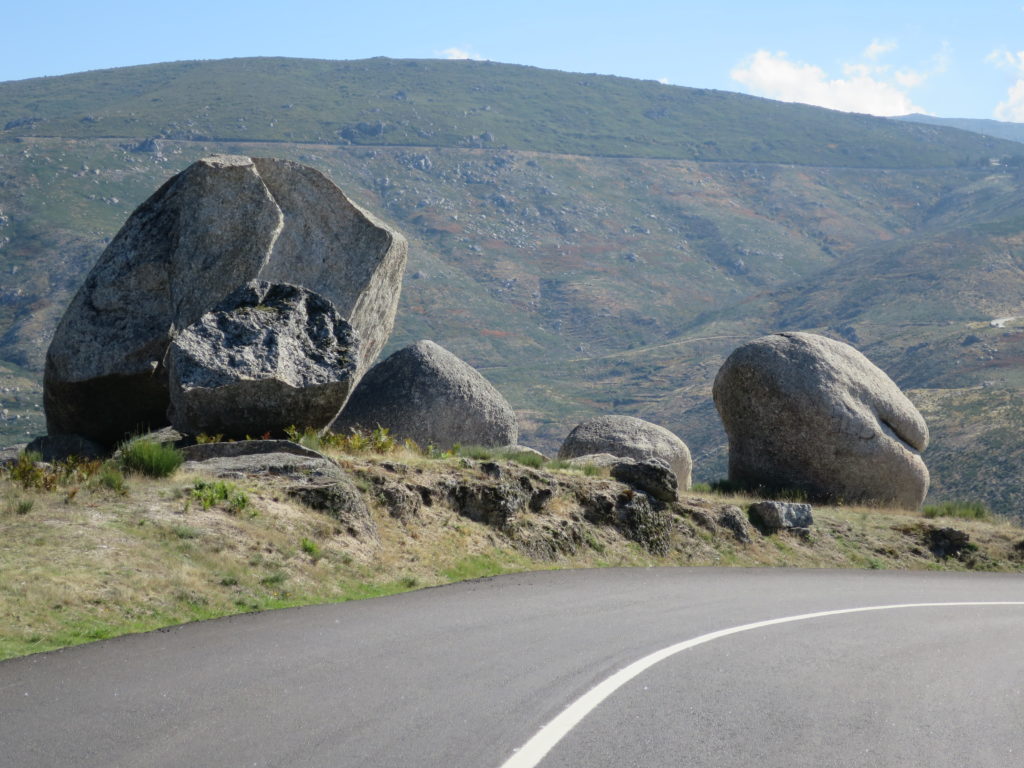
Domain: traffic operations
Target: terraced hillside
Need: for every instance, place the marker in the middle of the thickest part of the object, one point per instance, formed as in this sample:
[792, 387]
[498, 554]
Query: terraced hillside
[591, 243]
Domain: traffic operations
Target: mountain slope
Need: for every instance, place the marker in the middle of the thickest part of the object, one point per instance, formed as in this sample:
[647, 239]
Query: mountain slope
[591, 243]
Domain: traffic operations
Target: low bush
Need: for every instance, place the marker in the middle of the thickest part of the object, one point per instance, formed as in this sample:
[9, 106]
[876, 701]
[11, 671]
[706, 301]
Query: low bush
[967, 510]
[211, 493]
[147, 457]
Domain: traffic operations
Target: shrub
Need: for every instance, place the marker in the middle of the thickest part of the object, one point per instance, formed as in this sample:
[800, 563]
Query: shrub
[310, 547]
[147, 457]
[209, 494]
[111, 478]
[967, 510]
[19, 506]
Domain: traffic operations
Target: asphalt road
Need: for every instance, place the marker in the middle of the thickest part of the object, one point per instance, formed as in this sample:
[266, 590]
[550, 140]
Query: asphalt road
[467, 675]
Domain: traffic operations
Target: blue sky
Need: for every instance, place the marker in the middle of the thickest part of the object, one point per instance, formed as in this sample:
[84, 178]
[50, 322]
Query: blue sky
[951, 59]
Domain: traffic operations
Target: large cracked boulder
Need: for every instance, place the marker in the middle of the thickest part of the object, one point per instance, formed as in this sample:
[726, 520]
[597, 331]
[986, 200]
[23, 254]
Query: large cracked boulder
[221, 222]
[629, 437]
[271, 355]
[807, 413]
[425, 393]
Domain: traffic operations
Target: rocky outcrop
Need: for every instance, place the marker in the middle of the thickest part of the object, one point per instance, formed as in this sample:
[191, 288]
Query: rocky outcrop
[651, 476]
[299, 469]
[780, 515]
[270, 356]
[221, 222]
[630, 437]
[807, 413]
[342, 501]
[425, 393]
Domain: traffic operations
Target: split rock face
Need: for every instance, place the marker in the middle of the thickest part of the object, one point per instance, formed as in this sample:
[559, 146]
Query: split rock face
[804, 412]
[221, 222]
[425, 393]
[629, 437]
[270, 356]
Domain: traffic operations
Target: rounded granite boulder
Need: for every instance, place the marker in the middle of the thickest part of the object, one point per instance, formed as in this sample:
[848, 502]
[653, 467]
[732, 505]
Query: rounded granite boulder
[630, 437]
[425, 393]
[807, 413]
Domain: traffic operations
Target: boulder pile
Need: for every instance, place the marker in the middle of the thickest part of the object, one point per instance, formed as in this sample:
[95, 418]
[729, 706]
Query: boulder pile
[223, 221]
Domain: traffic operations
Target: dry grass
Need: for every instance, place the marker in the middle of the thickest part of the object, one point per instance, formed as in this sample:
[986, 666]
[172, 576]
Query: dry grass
[88, 563]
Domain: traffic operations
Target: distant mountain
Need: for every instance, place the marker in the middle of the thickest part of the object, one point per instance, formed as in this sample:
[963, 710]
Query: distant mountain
[593, 244]
[995, 128]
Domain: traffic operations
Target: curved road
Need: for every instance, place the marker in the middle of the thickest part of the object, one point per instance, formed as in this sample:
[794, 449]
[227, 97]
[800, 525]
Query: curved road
[468, 675]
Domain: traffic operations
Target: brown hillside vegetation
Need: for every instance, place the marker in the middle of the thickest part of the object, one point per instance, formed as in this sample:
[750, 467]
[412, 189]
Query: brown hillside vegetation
[88, 554]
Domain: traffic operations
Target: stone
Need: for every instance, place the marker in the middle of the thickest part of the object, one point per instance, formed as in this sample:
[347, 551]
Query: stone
[778, 515]
[652, 476]
[402, 502]
[225, 450]
[221, 222]
[270, 356]
[498, 504]
[944, 542]
[630, 437]
[810, 414]
[425, 393]
[342, 501]
[647, 525]
[301, 469]
[732, 518]
[61, 446]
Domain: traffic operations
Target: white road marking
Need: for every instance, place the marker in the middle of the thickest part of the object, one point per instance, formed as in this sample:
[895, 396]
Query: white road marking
[533, 751]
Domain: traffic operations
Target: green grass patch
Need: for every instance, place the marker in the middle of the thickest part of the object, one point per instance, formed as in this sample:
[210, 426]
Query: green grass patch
[212, 493]
[474, 567]
[149, 458]
[966, 510]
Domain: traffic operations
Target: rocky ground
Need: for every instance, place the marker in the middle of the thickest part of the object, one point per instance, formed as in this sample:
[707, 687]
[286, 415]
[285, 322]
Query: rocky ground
[87, 556]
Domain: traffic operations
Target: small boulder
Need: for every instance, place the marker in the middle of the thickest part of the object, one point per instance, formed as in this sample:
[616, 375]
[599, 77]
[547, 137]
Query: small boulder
[652, 476]
[342, 501]
[732, 518]
[425, 393]
[777, 515]
[59, 447]
[270, 356]
[807, 413]
[630, 437]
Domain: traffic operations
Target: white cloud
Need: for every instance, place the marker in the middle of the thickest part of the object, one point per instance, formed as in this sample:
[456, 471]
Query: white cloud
[663, 80]
[460, 53]
[878, 47]
[864, 87]
[1012, 109]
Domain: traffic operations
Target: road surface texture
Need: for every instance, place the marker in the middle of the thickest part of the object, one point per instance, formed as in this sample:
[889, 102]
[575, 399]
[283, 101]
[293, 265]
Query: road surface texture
[468, 675]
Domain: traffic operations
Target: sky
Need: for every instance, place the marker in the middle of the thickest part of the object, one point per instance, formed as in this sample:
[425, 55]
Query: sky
[882, 57]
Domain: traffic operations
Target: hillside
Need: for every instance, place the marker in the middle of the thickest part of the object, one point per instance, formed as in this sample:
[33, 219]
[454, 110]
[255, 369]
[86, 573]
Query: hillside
[997, 129]
[130, 554]
[591, 243]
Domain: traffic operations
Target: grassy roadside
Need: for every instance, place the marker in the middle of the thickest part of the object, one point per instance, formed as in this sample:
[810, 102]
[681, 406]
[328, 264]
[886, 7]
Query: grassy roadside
[90, 559]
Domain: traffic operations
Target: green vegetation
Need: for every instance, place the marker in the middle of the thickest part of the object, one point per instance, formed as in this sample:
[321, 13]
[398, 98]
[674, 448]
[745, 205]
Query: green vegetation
[210, 493]
[379, 102]
[149, 458]
[966, 510]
